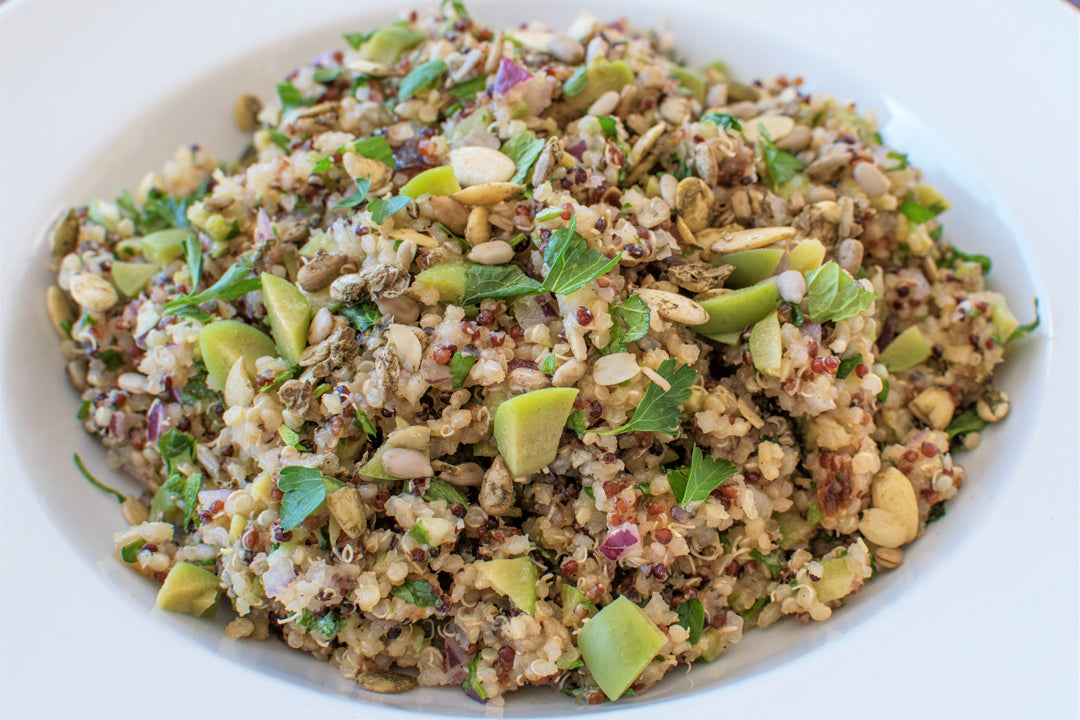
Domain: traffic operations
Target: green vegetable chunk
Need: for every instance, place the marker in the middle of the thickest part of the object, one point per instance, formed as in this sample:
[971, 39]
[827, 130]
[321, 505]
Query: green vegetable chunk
[289, 314]
[600, 77]
[164, 246]
[571, 599]
[189, 589]
[436, 181]
[529, 427]
[738, 310]
[448, 279]
[766, 348]
[515, 578]
[224, 342]
[386, 44]
[751, 266]
[131, 278]
[617, 644]
[907, 349]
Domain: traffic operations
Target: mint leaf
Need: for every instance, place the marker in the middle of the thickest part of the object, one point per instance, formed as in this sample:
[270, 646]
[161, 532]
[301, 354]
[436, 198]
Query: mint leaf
[375, 148]
[760, 603]
[358, 195]
[418, 592]
[659, 409]
[964, 423]
[547, 365]
[573, 264]
[918, 213]
[705, 474]
[609, 126]
[422, 77]
[112, 359]
[323, 165]
[363, 423]
[130, 552]
[497, 281]
[327, 625]
[722, 120]
[630, 322]
[951, 256]
[472, 683]
[280, 139]
[937, 511]
[234, 283]
[191, 498]
[441, 490]
[291, 97]
[382, 208]
[290, 437]
[576, 83]
[903, 158]
[469, 89]
[692, 617]
[771, 564]
[1024, 330]
[355, 40]
[419, 534]
[576, 422]
[95, 482]
[84, 410]
[327, 74]
[847, 365]
[194, 254]
[834, 295]
[362, 316]
[303, 490]
[460, 365]
[781, 165]
[175, 447]
[166, 499]
[524, 148]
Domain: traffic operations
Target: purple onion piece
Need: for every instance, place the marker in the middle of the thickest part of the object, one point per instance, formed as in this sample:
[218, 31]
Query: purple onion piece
[545, 306]
[509, 75]
[811, 330]
[153, 422]
[620, 541]
[577, 149]
[263, 229]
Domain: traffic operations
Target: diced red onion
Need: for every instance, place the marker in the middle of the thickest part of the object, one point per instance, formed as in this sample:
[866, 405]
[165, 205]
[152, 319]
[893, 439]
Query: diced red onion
[811, 330]
[434, 373]
[118, 425]
[577, 149]
[263, 229]
[280, 574]
[324, 59]
[153, 422]
[545, 306]
[509, 75]
[620, 542]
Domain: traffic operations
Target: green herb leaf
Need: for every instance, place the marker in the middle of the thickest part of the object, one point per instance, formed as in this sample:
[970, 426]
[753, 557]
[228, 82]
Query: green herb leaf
[630, 322]
[524, 148]
[834, 295]
[358, 195]
[234, 283]
[884, 394]
[363, 423]
[847, 365]
[162, 211]
[362, 316]
[918, 213]
[692, 617]
[964, 423]
[176, 447]
[937, 511]
[771, 564]
[460, 365]
[722, 120]
[422, 77]
[303, 490]
[497, 281]
[95, 482]
[547, 365]
[705, 474]
[758, 605]
[195, 388]
[576, 422]
[419, 534]
[813, 513]
[327, 625]
[935, 235]
[904, 164]
[781, 165]
[472, 682]
[112, 359]
[290, 437]
[191, 498]
[84, 410]
[609, 126]
[375, 148]
[323, 165]
[659, 409]
[280, 139]
[469, 89]
[291, 97]
[877, 138]
[459, 9]
[382, 208]
[1024, 330]
[320, 390]
[573, 264]
[355, 40]
[951, 256]
[130, 552]
[194, 254]
[327, 74]
[418, 592]
[441, 490]
[576, 83]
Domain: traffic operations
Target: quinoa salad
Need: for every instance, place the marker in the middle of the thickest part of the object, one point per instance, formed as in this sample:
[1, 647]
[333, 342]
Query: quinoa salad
[527, 357]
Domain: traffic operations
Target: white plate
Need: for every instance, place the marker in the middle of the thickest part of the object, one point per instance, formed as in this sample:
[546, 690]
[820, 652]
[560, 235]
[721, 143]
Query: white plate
[980, 619]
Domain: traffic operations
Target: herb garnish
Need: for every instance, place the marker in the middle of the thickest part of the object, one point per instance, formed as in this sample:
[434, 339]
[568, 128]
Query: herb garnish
[847, 365]
[576, 83]
[705, 474]
[327, 625]
[291, 97]
[771, 564]
[418, 592]
[382, 208]
[722, 120]
[524, 149]
[234, 283]
[964, 423]
[692, 617]
[362, 316]
[629, 323]
[834, 295]
[95, 482]
[460, 365]
[357, 196]
[303, 490]
[659, 409]
[781, 165]
[576, 422]
[497, 281]
[573, 264]
[441, 490]
[469, 89]
[422, 77]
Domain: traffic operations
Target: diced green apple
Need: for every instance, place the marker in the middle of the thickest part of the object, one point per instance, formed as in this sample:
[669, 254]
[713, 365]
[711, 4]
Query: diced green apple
[528, 428]
[289, 313]
[751, 266]
[189, 589]
[603, 76]
[766, 348]
[836, 580]
[225, 341]
[436, 181]
[571, 599]
[386, 44]
[738, 310]
[448, 279]
[164, 246]
[515, 578]
[806, 256]
[617, 644]
[907, 349]
[130, 278]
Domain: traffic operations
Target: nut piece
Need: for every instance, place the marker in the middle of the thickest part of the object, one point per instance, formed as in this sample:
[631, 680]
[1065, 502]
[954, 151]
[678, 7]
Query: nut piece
[449, 212]
[497, 489]
[645, 143]
[934, 406]
[475, 165]
[693, 201]
[464, 475]
[93, 292]
[478, 229]
[496, 252]
[406, 463]
[894, 518]
[358, 166]
[66, 234]
[566, 49]
[348, 289]
[245, 111]
[993, 406]
[699, 277]
[238, 390]
[59, 310]
[320, 271]
[386, 682]
[725, 241]
[489, 193]
[615, 368]
[849, 255]
[778, 126]
[889, 558]
[870, 179]
[673, 306]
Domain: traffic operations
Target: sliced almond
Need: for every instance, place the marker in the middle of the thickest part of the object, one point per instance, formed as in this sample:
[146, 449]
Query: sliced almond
[358, 166]
[238, 390]
[417, 237]
[673, 306]
[725, 241]
[489, 193]
[406, 344]
[615, 368]
[685, 233]
[533, 39]
[777, 126]
[644, 143]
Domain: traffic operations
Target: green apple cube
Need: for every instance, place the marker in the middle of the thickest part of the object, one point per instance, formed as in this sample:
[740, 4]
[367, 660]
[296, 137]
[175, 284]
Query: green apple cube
[617, 644]
[692, 81]
[836, 580]
[712, 644]
[436, 181]
[751, 266]
[571, 598]
[448, 279]
[1005, 323]
[164, 246]
[528, 428]
[130, 278]
[907, 349]
[189, 589]
[735, 311]
[766, 348]
[289, 313]
[387, 43]
[602, 77]
[806, 256]
[222, 343]
[515, 578]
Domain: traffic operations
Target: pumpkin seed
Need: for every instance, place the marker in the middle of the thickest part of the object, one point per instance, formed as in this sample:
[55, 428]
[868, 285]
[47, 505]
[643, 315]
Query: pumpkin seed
[489, 193]
[673, 306]
[726, 241]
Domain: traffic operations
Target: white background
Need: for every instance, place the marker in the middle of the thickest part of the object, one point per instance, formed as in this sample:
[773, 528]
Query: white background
[992, 633]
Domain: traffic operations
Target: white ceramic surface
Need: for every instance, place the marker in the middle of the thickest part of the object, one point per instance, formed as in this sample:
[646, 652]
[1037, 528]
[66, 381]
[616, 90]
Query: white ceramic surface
[980, 619]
